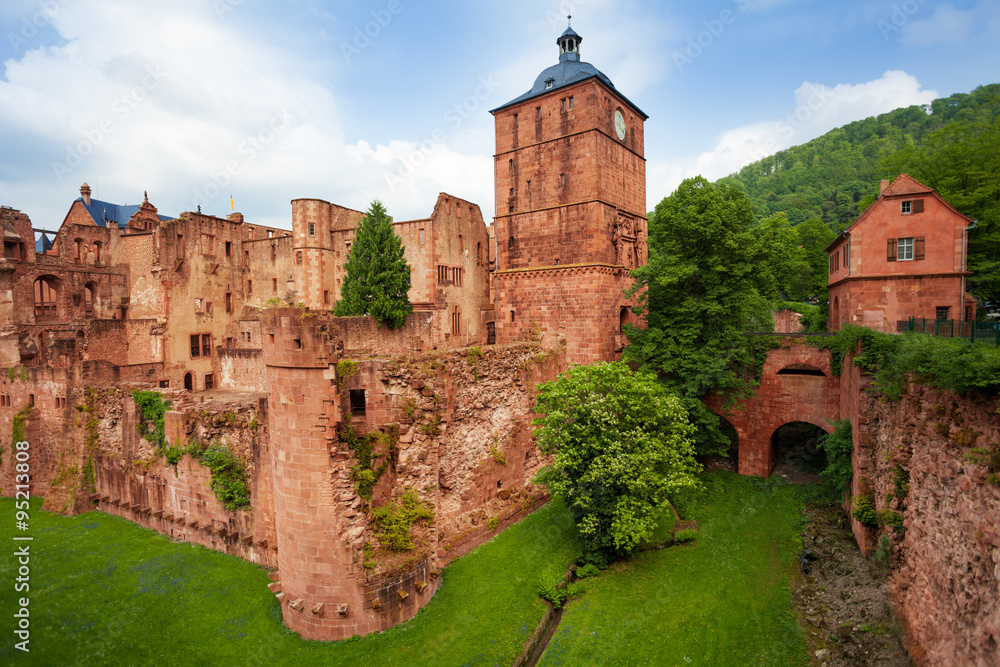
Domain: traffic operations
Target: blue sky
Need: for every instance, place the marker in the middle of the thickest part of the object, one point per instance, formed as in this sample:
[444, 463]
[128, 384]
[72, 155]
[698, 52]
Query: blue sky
[192, 100]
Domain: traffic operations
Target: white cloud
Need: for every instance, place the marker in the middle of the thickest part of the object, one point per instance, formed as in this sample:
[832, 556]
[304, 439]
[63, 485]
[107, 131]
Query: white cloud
[947, 25]
[169, 98]
[817, 110]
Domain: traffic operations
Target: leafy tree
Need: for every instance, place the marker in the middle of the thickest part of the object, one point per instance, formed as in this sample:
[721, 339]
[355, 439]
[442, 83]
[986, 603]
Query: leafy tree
[708, 281]
[622, 446]
[378, 277]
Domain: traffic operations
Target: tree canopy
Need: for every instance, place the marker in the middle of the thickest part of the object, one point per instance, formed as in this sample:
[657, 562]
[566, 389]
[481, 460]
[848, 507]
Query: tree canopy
[622, 446]
[378, 277]
[709, 279]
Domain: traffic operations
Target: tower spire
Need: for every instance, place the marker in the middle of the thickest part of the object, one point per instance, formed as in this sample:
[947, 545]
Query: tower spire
[569, 43]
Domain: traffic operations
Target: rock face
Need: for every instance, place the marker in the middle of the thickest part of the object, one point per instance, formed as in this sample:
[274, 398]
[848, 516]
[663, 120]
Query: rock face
[946, 563]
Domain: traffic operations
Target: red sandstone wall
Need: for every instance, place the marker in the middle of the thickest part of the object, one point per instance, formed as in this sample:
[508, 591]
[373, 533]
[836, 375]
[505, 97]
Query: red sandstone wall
[946, 574]
[781, 399]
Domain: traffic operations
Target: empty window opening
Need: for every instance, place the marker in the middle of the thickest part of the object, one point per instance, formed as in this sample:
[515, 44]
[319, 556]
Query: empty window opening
[510, 165]
[209, 381]
[512, 316]
[357, 401]
[622, 319]
[510, 243]
[45, 296]
[274, 253]
[229, 343]
[298, 343]
[164, 384]
[274, 285]
[97, 253]
[88, 301]
[515, 125]
[229, 248]
[941, 313]
[801, 369]
[326, 297]
[229, 302]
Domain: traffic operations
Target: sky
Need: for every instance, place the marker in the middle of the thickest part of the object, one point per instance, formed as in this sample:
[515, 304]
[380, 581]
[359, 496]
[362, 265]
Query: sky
[197, 101]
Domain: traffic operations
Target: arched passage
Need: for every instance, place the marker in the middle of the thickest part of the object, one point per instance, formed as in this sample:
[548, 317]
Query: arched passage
[796, 451]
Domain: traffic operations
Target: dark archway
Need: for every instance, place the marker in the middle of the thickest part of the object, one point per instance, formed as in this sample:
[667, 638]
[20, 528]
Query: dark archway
[797, 453]
[188, 382]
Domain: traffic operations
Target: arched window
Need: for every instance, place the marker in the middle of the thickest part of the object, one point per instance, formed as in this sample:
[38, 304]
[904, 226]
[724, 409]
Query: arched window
[45, 297]
[89, 299]
[622, 319]
[510, 243]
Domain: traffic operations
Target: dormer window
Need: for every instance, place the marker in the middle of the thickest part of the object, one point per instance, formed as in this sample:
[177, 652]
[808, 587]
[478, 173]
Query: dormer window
[549, 83]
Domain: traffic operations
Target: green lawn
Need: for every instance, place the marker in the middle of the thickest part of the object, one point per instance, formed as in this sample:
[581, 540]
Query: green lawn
[721, 600]
[104, 591]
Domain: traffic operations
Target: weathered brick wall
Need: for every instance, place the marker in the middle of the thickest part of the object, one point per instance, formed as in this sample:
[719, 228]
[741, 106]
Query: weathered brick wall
[464, 444]
[946, 566]
[241, 369]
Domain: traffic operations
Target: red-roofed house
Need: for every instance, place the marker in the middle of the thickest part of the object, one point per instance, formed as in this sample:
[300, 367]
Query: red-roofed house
[905, 256]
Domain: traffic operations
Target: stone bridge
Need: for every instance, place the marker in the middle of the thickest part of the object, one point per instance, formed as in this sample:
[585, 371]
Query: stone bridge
[797, 385]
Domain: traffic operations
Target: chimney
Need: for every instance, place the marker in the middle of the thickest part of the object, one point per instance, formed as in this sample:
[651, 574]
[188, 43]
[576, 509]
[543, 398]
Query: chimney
[882, 186]
[85, 194]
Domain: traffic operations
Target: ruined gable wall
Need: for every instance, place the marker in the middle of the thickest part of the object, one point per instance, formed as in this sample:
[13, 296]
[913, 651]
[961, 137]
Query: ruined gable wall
[946, 572]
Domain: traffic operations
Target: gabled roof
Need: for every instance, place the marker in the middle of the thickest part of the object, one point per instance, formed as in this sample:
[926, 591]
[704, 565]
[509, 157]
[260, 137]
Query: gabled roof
[904, 185]
[103, 212]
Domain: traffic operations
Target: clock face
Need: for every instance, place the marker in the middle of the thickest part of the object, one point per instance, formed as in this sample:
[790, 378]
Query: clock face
[620, 124]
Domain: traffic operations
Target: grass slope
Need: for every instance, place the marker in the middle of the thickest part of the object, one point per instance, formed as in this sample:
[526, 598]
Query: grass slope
[104, 591]
[722, 600]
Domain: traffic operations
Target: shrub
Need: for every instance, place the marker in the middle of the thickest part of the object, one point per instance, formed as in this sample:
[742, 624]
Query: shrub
[368, 471]
[174, 455]
[892, 519]
[493, 523]
[228, 477]
[551, 586]
[864, 511]
[883, 552]
[838, 447]
[393, 521]
[152, 407]
[682, 536]
[588, 570]
[901, 484]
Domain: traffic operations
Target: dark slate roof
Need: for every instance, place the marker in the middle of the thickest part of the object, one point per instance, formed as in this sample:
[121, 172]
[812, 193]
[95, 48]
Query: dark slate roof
[564, 74]
[118, 214]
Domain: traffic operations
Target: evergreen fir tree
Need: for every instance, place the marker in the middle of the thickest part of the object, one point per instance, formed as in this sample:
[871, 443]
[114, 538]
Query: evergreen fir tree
[378, 277]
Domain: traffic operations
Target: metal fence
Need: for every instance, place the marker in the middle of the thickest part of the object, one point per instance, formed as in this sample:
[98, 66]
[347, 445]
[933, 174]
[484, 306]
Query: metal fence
[984, 333]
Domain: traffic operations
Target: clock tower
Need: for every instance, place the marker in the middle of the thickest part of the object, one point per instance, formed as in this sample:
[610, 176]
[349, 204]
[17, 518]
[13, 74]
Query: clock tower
[570, 180]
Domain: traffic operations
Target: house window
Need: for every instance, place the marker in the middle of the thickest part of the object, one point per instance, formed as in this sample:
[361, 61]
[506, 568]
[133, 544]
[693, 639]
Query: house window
[208, 307]
[270, 234]
[249, 287]
[298, 257]
[229, 248]
[942, 312]
[529, 187]
[312, 229]
[229, 343]
[571, 103]
[904, 249]
[195, 345]
[246, 258]
[510, 243]
[538, 111]
[209, 381]
[206, 345]
[357, 401]
[274, 253]
[510, 165]
[229, 302]
[479, 251]
[164, 384]
[456, 322]
[326, 297]
[847, 256]
[274, 285]
[198, 304]
[442, 275]
[421, 237]
[97, 253]
[458, 276]
[515, 125]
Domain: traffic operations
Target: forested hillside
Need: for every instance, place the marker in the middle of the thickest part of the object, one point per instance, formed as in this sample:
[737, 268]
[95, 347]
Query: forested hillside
[951, 145]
